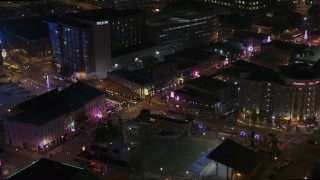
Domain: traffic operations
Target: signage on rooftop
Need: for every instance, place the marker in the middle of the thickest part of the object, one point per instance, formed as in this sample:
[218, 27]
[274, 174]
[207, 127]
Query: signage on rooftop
[305, 83]
[99, 23]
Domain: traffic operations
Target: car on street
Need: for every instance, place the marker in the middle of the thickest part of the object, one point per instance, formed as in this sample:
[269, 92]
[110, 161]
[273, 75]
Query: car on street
[312, 142]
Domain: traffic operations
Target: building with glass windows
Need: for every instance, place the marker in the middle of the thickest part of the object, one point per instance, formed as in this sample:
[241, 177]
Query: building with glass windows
[249, 5]
[87, 44]
[182, 29]
[289, 93]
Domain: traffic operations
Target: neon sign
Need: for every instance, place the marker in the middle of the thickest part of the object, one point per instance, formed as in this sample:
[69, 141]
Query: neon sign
[99, 23]
[305, 83]
[195, 74]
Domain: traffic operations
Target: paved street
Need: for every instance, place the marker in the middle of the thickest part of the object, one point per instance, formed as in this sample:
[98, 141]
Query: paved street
[16, 159]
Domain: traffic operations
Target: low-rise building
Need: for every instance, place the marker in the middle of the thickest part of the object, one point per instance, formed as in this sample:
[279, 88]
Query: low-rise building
[202, 95]
[109, 167]
[141, 85]
[43, 122]
[283, 52]
[283, 95]
[193, 63]
[164, 123]
[310, 55]
[48, 169]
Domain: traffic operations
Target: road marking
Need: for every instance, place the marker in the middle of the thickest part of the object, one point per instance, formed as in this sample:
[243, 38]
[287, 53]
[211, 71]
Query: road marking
[292, 139]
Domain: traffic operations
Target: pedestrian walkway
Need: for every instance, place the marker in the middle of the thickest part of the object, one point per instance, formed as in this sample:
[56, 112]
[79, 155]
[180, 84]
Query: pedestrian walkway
[199, 164]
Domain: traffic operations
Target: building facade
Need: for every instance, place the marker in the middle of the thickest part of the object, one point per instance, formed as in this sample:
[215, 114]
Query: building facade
[45, 121]
[181, 30]
[87, 43]
[291, 93]
[249, 6]
[283, 53]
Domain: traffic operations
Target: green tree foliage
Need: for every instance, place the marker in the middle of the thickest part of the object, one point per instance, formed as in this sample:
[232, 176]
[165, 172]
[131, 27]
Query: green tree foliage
[136, 164]
[274, 145]
[295, 19]
[108, 133]
[314, 10]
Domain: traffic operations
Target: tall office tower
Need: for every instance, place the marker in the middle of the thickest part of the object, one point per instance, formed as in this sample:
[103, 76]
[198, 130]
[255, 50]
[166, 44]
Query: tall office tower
[250, 6]
[85, 44]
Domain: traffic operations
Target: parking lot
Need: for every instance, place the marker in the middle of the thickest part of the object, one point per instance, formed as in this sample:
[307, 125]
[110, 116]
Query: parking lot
[15, 90]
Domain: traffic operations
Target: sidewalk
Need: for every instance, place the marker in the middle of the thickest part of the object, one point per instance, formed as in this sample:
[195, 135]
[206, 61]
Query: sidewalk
[23, 152]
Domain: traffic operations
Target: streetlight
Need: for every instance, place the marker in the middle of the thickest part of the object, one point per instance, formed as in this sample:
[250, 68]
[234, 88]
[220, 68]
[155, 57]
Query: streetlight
[161, 169]
[204, 137]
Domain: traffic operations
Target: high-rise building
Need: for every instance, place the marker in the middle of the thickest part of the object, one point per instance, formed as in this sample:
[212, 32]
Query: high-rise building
[248, 5]
[85, 44]
[181, 29]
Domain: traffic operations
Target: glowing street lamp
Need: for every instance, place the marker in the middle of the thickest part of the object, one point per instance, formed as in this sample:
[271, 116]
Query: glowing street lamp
[161, 170]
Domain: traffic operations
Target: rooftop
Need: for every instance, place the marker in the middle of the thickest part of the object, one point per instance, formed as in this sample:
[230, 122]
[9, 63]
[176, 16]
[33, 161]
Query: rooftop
[48, 106]
[168, 119]
[235, 156]
[287, 46]
[245, 65]
[52, 170]
[208, 83]
[248, 34]
[196, 94]
[301, 71]
[230, 71]
[114, 86]
[177, 18]
[189, 57]
[265, 75]
[133, 77]
[311, 54]
[316, 32]
[31, 29]
[104, 14]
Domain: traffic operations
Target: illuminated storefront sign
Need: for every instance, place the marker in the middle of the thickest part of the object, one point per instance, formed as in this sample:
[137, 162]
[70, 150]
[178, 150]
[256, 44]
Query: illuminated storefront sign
[4, 53]
[305, 83]
[99, 23]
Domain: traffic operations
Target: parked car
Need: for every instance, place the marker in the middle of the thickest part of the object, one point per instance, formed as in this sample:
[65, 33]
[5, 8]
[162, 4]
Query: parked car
[312, 142]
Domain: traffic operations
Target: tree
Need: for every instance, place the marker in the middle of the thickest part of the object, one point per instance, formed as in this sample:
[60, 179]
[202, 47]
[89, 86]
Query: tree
[295, 19]
[109, 133]
[314, 10]
[145, 134]
[136, 164]
[274, 145]
[265, 143]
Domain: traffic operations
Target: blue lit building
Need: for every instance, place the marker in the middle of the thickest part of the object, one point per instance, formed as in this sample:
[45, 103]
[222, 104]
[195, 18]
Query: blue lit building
[86, 44]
